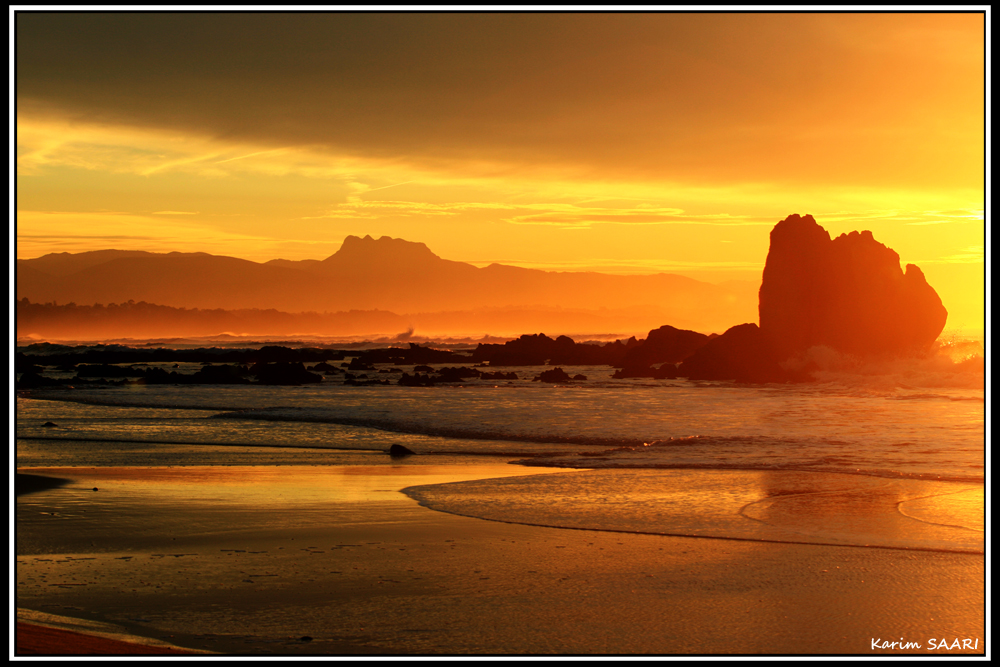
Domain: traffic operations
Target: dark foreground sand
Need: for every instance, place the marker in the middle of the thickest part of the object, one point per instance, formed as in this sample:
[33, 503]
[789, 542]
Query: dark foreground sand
[39, 640]
[334, 561]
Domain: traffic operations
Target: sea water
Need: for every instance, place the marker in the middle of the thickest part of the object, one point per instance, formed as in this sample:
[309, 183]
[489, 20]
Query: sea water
[792, 455]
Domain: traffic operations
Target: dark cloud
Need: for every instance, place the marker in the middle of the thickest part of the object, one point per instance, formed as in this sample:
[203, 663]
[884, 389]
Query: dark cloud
[706, 97]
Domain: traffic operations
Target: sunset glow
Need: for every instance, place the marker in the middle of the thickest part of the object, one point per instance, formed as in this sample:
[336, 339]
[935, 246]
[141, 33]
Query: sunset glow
[499, 333]
[622, 143]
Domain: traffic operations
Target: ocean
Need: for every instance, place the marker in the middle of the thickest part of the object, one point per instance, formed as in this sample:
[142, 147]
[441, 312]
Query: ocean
[901, 441]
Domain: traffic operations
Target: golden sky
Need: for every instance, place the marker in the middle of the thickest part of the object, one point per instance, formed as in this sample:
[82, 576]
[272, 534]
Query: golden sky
[629, 143]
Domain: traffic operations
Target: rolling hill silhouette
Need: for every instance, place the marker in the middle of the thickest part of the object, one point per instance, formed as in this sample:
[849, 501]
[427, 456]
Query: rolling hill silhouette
[368, 274]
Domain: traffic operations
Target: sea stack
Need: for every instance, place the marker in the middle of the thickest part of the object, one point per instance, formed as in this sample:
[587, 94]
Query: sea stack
[847, 293]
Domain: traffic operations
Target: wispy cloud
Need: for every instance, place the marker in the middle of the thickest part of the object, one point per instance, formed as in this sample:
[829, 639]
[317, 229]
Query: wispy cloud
[558, 214]
[254, 154]
[952, 217]
[975, 254]
[572, 216]
[355, 207]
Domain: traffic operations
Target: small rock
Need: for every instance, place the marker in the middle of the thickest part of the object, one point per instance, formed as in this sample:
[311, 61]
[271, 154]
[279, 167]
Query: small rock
[399, 451]
[554, 375]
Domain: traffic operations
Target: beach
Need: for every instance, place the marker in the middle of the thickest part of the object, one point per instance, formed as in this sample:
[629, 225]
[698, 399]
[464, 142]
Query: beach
[335, 560]
[350, 334]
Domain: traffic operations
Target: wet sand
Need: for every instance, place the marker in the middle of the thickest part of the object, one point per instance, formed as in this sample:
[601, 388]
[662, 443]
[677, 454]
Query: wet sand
[335, 561]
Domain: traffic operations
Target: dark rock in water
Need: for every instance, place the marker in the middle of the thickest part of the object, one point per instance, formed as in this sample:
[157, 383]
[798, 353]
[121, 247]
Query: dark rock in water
[498, 375]
[539, 350]
[579, 377]
[664, 345]
[847, 293]
[413, 354]
[223, 374]
[449, 374]
[34, 381]
[399, 451]
[283, 373]
[423, 369]
[415, 380]
[553, 375]
[23, 366]
[358, 365]
[160, 376]
[742, 354]
[306, 638]
[324, 367]
[50, 424]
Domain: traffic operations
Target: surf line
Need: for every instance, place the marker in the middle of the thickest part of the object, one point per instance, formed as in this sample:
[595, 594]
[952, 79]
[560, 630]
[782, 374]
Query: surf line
[203, 444]
[412, 491]
[899, 508]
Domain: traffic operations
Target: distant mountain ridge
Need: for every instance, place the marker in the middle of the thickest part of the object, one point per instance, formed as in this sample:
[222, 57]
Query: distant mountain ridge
[366, 273]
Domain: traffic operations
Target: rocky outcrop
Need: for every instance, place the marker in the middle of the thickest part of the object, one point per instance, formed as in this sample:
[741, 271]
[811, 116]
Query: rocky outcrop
[35, 381]
[224, 374]
[413, 354]
[847, 293]
[415, 380]
[497, 375]
[742, 354]
[283, 373]
[449, 374]
[665, 346]
[540, 350]
[553, 375]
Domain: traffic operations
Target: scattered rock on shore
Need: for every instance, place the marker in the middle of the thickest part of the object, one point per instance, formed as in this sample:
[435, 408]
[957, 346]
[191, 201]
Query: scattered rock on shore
[399, 451]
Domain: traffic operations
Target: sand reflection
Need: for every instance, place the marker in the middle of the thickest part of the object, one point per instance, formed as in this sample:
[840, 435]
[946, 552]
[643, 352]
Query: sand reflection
[783, 506]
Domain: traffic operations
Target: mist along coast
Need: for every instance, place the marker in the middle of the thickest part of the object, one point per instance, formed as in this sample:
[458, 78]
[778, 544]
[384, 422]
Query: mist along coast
[810, 485]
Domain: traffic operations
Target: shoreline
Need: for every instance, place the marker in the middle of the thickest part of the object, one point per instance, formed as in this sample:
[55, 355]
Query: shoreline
[341, 557]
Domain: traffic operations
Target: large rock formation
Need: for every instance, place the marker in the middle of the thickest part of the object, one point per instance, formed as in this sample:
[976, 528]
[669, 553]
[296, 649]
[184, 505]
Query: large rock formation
[847, 293]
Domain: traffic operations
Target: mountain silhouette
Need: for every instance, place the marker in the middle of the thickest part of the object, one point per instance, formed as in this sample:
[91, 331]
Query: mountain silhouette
[368, 274]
